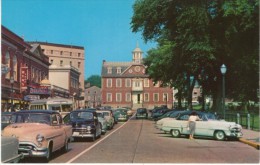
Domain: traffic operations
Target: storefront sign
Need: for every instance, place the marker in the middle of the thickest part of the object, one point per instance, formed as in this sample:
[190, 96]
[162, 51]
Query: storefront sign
[24, 77]
[40, 91]
[31, 97]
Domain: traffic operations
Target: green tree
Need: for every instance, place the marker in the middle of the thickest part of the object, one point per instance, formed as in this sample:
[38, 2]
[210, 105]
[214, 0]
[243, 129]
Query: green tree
[196, 36]
[94, 80]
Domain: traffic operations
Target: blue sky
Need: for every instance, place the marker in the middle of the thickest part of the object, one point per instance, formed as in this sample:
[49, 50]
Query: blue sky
[102, 27]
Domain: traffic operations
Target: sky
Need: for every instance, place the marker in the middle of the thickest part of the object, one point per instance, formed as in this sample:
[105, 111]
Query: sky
[102, 27]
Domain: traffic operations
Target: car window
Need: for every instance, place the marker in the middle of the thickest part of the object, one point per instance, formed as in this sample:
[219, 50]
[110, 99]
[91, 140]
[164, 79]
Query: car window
[184, 117]
[5, 118]
[100, 114]
[81, 115]
[31, 118]
[106, 113]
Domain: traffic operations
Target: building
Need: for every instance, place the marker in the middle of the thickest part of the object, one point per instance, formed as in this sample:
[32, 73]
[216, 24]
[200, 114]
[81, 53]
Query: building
[23, 68]
[67, 68]
[127, 84]
[93, 97]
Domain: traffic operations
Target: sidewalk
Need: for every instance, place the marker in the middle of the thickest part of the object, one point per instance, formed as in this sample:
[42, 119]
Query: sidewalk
[251, 138]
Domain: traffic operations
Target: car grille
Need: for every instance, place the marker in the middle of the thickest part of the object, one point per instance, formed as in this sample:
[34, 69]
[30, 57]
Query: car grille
[235, 130]
[25, 148]
[82, 130]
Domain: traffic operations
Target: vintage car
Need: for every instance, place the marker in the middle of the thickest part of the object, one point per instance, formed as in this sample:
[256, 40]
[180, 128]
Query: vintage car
[207, 126]
[109, 118]
[167, 116]
[141, 113]
[5, 119]
[103, 121]
[40, 132]
[84, 123]
[120, 114]
[130, 112]
[9, 150]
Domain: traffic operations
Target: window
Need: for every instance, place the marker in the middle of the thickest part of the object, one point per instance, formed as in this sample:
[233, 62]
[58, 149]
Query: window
[156, 97]
[109, 82]
[78, 54]
[51, 51]
[109, 97]
[61, 62]
[70, 63]
[128, 97]
[15, 68]
[156, 84]
[61, 52]
[146, 97]
[109, 70]
[118, 82]
[128, 82]
[118, 97]
[137, 84]
[51, 62]
[7, 63]
[118, 70]
[165, 97]
[78, 64]
[70, 53]
[146, 82]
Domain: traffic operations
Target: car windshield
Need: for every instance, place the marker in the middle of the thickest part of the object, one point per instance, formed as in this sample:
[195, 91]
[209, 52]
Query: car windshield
[31, 118]
[106, 113]
[141, 110]
[81, 115]
[100, 114]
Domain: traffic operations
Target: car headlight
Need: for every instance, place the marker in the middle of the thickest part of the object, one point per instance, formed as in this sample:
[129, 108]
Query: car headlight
[39, 138]
[88, 128]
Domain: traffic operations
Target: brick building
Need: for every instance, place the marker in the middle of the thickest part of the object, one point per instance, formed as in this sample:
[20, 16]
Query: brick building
[126, 84]
[23, 68]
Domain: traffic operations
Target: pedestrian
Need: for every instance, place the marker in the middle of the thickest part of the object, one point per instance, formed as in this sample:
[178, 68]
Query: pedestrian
[192, 123]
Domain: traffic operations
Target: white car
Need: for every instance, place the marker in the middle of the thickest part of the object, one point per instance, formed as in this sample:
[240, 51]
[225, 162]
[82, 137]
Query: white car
[109, 118]
[208, 126]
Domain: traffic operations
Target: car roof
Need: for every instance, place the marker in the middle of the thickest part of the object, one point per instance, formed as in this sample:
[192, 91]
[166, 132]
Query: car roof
[83, 110]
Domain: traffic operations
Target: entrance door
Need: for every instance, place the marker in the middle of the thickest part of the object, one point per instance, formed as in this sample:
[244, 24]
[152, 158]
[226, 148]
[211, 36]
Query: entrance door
[138, 98]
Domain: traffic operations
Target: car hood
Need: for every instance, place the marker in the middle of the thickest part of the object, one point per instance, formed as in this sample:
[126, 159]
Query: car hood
[25, 131]
[224, 123]
[163, 120]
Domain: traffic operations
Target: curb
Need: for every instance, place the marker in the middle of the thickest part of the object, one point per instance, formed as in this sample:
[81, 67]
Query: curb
[253, 144]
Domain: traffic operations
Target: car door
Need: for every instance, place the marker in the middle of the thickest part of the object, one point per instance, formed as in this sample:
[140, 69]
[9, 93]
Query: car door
[58, 132]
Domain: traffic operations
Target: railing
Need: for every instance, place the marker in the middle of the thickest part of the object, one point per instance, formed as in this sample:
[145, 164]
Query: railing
[246, 120]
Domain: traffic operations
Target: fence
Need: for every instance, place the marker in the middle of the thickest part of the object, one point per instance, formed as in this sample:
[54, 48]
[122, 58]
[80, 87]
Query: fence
[246, 120]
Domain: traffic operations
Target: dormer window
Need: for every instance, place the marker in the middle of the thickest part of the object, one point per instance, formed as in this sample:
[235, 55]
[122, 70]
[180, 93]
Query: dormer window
[109, 70]
[118, 70]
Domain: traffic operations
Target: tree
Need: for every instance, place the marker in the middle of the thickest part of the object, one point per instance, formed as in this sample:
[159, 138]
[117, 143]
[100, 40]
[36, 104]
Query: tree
[94, 80]
[203, 34]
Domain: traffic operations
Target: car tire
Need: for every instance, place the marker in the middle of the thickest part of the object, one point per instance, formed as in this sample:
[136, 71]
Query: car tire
[49, 154]
[175, 133]
[94, 136]
[219, 135]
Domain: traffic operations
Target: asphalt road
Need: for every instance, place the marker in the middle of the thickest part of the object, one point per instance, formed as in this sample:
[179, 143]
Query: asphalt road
[138, 141]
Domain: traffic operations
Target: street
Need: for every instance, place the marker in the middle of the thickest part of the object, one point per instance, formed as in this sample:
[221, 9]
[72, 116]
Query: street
[138, 141]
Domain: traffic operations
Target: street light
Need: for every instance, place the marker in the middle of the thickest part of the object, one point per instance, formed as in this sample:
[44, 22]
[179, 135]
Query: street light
[12, 86]
[223, 70]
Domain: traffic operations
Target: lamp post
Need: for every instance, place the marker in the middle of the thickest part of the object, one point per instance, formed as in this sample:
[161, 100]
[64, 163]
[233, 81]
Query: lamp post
[12, 87]
[223, 70]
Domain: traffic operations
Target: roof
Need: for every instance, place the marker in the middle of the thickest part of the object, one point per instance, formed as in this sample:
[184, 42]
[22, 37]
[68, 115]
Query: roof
[36, 111]
[54, 44]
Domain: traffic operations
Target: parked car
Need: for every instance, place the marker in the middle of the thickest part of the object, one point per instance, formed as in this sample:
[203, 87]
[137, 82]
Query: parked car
[130, 112]
[84, 123]
[207, 126]
[141, 113]
[158, 112]
[167, 116]
[109, 118]
[40, 132]
[103, 121]
[9, 150]
[5, 119]
[120, 114]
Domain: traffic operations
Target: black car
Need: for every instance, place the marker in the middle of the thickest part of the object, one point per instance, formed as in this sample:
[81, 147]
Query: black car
[84, 123]
[141, 113]
[158, 112]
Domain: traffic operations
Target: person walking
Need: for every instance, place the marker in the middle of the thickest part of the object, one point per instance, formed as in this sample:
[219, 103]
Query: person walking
[192, 123]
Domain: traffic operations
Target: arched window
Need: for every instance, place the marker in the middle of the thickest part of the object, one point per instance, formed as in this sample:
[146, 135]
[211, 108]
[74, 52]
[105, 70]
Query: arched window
[15, 68]
[7, 63]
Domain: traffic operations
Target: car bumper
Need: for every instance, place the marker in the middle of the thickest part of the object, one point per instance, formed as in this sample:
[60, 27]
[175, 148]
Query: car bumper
[81, 135]
[122, 119]
[28, 149]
